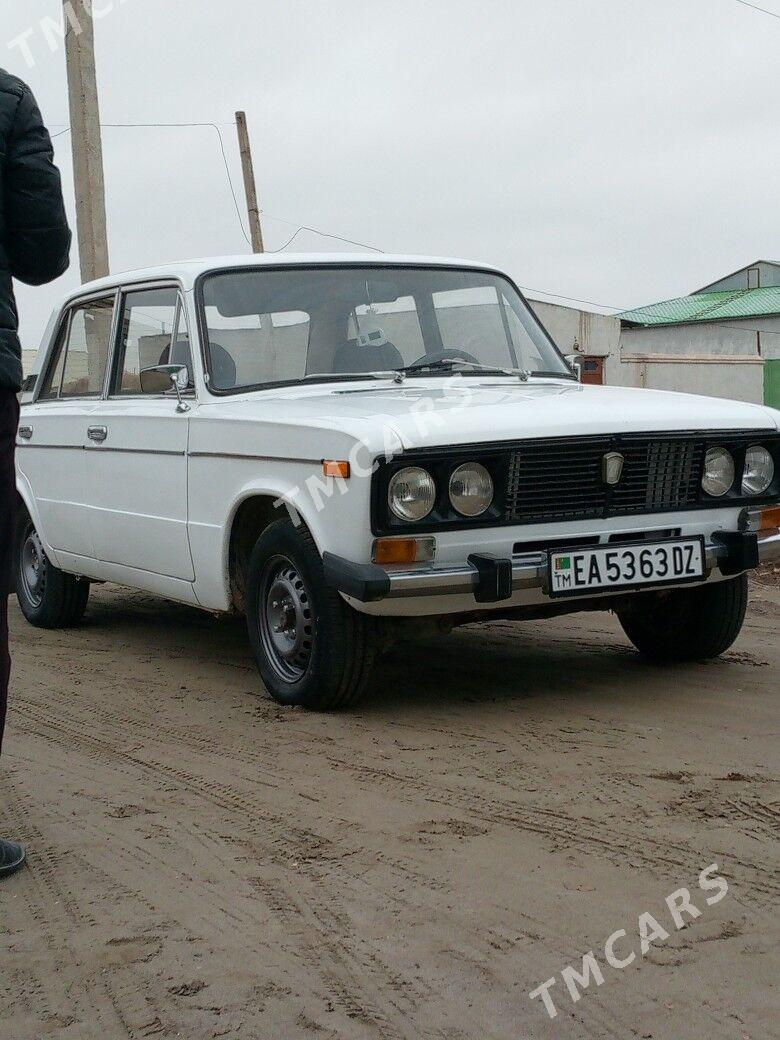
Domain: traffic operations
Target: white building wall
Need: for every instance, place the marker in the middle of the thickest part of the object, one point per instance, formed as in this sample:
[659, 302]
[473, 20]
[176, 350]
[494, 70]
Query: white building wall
[576, 331]
[741, 380]
[751, 337]
[717, 359]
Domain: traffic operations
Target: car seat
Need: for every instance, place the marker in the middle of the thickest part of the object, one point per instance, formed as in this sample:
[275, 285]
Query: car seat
[224, 375]
[361, 355]
[180, 354]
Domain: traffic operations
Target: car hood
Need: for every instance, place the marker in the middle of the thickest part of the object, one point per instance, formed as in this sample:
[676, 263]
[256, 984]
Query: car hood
[432, 413]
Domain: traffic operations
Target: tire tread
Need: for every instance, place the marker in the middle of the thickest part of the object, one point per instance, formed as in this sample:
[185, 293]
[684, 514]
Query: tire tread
[65, 598]
[353, 641]
[691, 625]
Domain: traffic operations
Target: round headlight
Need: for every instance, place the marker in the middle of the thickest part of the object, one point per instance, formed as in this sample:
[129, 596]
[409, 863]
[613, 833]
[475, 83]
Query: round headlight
[471, 489]
[759, 471]
[412, 493]
[719, 472]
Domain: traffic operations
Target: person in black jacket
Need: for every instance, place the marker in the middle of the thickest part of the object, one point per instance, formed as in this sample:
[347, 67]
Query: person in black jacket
[34, 248]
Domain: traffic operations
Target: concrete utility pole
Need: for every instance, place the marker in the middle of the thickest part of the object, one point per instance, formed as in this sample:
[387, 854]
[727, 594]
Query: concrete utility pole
[86, 141]
[249, 183]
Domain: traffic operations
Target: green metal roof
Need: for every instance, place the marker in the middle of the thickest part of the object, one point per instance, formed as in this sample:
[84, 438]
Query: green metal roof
[708, 306]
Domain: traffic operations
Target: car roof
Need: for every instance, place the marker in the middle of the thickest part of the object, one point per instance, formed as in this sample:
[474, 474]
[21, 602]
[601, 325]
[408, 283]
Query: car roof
[188, 271]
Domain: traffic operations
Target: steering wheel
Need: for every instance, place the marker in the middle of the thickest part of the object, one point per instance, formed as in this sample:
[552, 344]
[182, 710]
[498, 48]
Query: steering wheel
[445, 355]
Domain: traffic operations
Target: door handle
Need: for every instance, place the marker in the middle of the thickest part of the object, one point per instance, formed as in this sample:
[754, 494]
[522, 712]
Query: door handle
[26, 432]
[97, 434]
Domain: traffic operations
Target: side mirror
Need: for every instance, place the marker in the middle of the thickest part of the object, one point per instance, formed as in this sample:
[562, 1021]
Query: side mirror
[574, 362]
[163, 378]
[29, 383]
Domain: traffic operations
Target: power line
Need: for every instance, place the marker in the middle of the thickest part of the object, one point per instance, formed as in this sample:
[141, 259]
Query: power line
[362, 245]
[612, 307]
[288, 243]
[316, 231]
[215, 126]
[218, 132]
[755, 7]
[572, 299]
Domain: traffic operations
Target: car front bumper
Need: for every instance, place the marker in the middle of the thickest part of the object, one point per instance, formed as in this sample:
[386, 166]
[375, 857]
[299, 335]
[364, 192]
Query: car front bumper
[493, 580]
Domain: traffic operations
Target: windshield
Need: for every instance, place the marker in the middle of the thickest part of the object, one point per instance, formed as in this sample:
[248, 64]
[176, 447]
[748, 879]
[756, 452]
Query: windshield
[270, 327]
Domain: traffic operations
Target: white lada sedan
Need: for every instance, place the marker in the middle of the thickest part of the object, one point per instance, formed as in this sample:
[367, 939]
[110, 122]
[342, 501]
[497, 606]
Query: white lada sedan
[342, 448]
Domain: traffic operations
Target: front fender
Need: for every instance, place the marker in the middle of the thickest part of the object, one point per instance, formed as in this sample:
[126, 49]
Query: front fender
[336, 512]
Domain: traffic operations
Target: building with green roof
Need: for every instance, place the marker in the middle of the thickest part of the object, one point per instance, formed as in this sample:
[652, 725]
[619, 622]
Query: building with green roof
[753, 291]
[733, 322]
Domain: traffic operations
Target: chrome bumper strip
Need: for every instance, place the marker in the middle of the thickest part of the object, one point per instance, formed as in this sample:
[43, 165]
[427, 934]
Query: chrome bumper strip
[769, 547]
[530, 572]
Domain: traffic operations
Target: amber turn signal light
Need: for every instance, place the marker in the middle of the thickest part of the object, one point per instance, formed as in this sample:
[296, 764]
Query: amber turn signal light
[404, 550]
[332, 468]
[769, 519]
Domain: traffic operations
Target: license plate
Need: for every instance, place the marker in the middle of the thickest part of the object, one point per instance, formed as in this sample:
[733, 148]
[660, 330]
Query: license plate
[575, 572]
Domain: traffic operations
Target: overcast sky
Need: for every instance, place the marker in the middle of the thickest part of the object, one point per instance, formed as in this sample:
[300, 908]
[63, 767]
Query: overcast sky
[614, 150]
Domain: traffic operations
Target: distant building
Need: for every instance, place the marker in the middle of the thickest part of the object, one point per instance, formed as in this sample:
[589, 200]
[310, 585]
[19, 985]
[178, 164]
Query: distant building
[726, 335]
[723, 340]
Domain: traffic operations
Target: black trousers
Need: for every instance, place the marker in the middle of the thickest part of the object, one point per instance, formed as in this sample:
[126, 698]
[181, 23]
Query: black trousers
[9, 420]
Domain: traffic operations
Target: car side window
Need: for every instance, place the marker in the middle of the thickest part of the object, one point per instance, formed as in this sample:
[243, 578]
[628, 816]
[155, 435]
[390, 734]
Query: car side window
[51, 385]
[153, 332]
[78, 365]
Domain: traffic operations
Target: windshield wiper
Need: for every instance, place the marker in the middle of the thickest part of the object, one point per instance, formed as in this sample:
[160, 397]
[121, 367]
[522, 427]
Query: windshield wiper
[450, 364]
[336, 376]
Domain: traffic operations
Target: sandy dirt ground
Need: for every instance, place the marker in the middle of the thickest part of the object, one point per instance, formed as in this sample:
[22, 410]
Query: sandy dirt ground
[206, 864]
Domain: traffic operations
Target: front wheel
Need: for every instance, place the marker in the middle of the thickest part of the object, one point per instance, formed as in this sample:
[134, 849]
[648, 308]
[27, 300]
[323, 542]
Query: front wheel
[311, 648]
[688, 624]
[47, 596]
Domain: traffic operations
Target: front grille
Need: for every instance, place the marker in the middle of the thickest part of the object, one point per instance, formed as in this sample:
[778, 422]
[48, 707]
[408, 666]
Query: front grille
[659, 475]
[563, 479]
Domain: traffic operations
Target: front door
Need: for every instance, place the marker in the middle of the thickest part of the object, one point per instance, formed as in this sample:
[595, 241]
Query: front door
[593, 370]
[53, 431]
[137, 471]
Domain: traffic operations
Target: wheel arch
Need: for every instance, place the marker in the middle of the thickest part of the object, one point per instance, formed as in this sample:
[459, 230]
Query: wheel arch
[25, 499]
[252, 513]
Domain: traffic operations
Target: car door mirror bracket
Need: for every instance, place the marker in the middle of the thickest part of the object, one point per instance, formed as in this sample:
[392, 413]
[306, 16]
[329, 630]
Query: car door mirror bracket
[574, 362]
[163, 378]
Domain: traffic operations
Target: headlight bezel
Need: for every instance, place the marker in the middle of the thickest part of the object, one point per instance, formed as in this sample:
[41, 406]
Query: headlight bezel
[739, 446]
[441, 465]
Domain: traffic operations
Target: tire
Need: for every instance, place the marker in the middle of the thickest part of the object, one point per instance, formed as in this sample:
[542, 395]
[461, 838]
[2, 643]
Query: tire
[47, 596]
[688, 624]
[311, 648]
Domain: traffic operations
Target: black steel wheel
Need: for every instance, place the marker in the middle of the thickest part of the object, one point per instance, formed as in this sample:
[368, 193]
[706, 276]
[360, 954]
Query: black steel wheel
[32, 567]
[48, 597]
[286, 622]
[312, 649]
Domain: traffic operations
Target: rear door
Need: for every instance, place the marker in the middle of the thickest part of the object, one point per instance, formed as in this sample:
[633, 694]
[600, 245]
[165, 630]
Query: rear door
[137, 472]
[53, 431]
